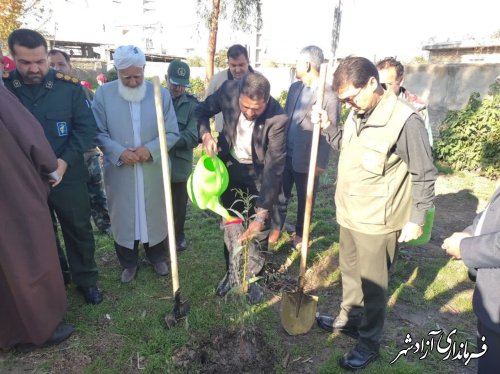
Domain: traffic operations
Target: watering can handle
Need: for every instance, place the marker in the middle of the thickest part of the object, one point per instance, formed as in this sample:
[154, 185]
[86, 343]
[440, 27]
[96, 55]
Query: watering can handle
[218, 176]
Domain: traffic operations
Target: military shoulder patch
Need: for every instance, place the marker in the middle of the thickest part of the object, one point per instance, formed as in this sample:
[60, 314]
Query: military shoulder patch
[67, 78]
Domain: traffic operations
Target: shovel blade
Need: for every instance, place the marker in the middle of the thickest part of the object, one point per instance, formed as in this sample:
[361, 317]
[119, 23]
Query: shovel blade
[298, 319]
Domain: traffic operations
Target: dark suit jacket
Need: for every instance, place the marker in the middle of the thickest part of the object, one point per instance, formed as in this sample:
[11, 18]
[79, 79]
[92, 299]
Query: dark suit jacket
[303, 139]
[268, 138]
[482, 253]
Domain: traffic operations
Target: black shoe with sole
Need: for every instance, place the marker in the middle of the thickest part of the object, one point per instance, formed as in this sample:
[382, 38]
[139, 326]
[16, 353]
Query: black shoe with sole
[62, 332]
[349, 328]
[181, 245]
[358, 358]
[92, 294]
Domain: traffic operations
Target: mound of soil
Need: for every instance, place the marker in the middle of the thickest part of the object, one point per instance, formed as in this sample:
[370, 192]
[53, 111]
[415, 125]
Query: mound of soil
[227, 351]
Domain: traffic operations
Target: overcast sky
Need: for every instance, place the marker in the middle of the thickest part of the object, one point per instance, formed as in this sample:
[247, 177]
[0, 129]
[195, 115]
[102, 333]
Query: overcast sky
[371, 28]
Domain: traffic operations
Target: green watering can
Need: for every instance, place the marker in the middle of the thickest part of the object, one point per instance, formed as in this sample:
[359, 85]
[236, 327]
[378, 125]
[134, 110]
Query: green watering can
[206, 184]
[427, 229]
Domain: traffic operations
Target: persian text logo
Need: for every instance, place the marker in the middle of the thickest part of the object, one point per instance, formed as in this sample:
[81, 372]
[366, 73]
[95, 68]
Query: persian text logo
[452, 350]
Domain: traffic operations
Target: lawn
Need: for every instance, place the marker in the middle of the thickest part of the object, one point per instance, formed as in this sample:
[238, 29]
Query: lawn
[127, 334]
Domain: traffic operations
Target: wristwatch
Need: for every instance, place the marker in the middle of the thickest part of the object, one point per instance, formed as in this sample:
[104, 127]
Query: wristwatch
[259, 219]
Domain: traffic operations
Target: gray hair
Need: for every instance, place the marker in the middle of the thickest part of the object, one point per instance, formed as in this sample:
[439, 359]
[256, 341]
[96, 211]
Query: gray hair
[314, 55]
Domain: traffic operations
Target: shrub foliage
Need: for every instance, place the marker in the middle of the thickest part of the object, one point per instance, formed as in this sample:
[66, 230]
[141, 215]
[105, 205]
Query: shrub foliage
[469, 139]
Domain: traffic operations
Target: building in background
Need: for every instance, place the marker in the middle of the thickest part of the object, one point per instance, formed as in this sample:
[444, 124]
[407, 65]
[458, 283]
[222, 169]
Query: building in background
[468, 51]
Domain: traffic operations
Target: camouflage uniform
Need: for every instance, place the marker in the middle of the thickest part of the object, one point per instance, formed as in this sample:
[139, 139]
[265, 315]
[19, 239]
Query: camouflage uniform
[97, 194]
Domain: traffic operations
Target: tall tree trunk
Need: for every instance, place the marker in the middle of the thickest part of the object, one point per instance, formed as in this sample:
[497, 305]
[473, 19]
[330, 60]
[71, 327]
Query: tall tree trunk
[212, 40]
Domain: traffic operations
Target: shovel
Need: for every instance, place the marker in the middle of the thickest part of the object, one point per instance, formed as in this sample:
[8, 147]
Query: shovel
[180, 308]
[298, 310]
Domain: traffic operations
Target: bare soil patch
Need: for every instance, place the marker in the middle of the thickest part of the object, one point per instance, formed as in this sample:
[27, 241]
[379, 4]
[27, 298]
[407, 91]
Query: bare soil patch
[226, 351]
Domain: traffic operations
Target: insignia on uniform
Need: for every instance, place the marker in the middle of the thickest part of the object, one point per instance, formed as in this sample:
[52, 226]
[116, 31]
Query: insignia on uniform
[67, 78]
[16, 83]
[5, 74]
[62, 128]
[49, 84]
[181, 72]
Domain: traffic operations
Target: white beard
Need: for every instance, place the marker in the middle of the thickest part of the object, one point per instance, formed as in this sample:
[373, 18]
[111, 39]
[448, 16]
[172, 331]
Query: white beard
[134, 95]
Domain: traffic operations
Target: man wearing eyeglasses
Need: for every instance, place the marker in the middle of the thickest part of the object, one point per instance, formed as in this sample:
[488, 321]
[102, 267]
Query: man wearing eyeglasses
[385, 185]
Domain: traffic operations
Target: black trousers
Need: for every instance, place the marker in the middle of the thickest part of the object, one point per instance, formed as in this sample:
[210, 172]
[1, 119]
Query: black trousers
[70, 202]
[179, 202]
[243, 177]
[490, 361]
[291, 177]
[129, 257]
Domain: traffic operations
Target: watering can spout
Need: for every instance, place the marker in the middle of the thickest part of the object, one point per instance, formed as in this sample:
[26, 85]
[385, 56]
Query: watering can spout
[215, 206]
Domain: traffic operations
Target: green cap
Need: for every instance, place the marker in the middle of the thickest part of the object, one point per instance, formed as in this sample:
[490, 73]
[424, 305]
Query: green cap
[178, 73]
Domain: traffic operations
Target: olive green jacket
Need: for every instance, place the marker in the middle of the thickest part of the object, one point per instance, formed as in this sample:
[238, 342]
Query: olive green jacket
[181, 153]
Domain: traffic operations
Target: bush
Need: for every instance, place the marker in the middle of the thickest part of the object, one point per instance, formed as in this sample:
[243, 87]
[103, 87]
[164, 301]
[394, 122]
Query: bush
[197, 88]
[282, 98]
[112, 75]
[469, 139]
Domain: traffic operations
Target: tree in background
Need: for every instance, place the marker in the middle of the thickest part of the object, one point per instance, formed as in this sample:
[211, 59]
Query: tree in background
[220, 60]
[14, 12]
[195, 61]
[10, 12]
[245, 14]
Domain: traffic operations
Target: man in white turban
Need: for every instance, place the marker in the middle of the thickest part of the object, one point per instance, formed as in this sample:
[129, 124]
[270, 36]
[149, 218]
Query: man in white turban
[128, 136]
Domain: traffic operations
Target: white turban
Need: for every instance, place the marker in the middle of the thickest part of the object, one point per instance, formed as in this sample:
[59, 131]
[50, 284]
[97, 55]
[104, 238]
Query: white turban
[126, 56]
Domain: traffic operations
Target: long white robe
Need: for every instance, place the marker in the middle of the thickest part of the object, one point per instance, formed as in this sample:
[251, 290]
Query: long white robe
[115, 134]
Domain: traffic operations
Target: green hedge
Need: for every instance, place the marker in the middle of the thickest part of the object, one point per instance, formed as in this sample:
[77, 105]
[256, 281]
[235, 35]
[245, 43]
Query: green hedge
[469, 139]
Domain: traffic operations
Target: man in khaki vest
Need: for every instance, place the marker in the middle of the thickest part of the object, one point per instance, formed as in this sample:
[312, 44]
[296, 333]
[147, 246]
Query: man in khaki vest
[385, 185]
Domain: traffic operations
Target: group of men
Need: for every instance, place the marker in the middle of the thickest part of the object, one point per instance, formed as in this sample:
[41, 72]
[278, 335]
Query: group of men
[385, 180]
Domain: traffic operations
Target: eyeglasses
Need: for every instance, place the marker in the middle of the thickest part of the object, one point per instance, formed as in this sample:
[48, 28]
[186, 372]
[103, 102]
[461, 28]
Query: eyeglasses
[350, 99]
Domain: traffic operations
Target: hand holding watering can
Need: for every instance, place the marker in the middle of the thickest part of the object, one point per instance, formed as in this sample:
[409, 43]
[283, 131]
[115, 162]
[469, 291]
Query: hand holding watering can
[207, 183]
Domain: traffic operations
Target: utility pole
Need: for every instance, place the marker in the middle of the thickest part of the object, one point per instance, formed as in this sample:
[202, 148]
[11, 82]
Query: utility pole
[337, 17]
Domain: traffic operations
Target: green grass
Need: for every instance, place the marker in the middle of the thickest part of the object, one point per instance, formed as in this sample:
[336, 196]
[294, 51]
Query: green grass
[126, 333]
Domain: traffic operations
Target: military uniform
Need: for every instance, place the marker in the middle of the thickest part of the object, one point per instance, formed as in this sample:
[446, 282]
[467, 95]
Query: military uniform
[97, 193]
[59, 104]
[182, 158]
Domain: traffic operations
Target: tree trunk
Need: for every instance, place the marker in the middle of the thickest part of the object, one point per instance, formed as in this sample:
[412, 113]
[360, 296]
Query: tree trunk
[212, 40]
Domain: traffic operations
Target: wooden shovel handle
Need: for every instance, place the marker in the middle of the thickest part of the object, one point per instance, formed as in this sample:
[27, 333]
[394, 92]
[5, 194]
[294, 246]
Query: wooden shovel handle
[312, 172]
[165, 167]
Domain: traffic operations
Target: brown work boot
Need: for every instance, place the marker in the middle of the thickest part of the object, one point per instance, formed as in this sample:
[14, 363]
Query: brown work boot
[274, 235]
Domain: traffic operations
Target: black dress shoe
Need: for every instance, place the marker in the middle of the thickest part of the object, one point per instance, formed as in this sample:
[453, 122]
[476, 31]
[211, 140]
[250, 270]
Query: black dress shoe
[181, 245]
[92, 294]
[358, 358]
[61, 333]
[224, 286]
[349, 328]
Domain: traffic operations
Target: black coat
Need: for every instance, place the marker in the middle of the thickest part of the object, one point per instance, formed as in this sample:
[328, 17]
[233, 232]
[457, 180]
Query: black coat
[482, 253]
[268, 138]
